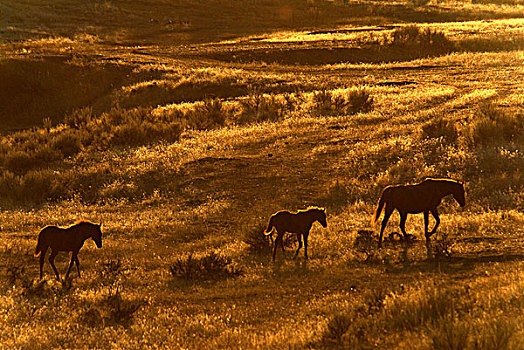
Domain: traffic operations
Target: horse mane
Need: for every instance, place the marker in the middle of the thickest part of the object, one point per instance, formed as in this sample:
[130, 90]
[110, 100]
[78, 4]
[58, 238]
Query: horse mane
[312, 208]
[444, 180]
[78, 222]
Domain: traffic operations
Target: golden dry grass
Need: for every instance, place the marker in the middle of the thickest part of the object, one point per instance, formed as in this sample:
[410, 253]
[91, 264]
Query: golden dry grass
[161, 199]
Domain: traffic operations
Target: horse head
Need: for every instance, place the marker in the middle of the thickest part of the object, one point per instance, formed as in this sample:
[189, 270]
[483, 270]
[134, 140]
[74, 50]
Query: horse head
[460, 194]
[96, 235]
[322, 217]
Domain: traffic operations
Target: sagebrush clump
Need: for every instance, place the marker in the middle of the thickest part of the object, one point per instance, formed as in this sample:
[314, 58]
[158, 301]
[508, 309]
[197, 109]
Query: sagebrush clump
[492, 124]
[209, 266]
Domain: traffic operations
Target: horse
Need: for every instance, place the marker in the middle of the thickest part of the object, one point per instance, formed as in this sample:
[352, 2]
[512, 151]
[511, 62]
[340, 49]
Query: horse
[298, 223]
[68, 239]
[423, 197]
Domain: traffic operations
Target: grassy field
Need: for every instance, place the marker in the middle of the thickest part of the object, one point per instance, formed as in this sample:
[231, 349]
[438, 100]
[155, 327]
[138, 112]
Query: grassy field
[182, 132]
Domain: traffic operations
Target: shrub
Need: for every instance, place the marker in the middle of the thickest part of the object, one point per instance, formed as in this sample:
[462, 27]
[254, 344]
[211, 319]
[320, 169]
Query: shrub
[338, 196]
[35, 187]
[442, 247]
[337, 327]
[18, 162]
[412, 310]
[67, 142]
[255, 238]
[359, 100]
[421, 42]
[45, 154]
[323, 102]
[440, 128]
[137, 133]
[206, 267]
[355, 101]
[495, 334]
[112, 274]
[79, 118]
[41, 185]
[259, 107]
[208, 114]
[419, 3]
[451, 335]
[120, 189]
[118, 310]
[114, 308]
[492, 124]
[364, 243]
[9, 185]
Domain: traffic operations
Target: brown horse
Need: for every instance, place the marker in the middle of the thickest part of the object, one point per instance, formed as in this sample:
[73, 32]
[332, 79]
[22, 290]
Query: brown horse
[299, 223]
[413, 199]
[69, 239]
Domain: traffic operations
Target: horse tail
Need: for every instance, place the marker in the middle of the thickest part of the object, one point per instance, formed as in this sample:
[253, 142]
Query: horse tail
[270, 226]
[380, 205]
[38, 249]
[39, 244]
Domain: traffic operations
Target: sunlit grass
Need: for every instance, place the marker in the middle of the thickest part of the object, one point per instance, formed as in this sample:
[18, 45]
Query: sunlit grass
[209, 188]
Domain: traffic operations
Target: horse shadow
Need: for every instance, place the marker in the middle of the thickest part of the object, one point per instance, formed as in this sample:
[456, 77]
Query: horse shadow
[453, 264]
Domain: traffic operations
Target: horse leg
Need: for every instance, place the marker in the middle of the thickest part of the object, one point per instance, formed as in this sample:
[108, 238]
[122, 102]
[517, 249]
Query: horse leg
[403, 217]
[299, 239]
[387, 213]
[52, 262]
[437, 220]
[42, 260]
[277, 242]
[305, 244]
[70, 265]
[77, 264]
[426, 223]
[42, 257]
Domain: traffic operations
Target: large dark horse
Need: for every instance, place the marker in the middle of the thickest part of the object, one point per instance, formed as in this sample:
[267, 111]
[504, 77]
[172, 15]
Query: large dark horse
[413, 199]
[299, 223]
[69, 239]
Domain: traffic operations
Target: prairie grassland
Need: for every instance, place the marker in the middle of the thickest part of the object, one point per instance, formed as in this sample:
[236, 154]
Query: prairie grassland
[183, 159]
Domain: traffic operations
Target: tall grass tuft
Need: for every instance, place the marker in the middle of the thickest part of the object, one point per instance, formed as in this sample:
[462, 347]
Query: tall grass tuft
[259, 107]
[256, 240]
[417, 42]
[494, 125]
[440, 128]
[209, 114]
[450, 335]
[326, 102]
[209, 266]
[410, 311]
[365, 243]
[497, 334]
